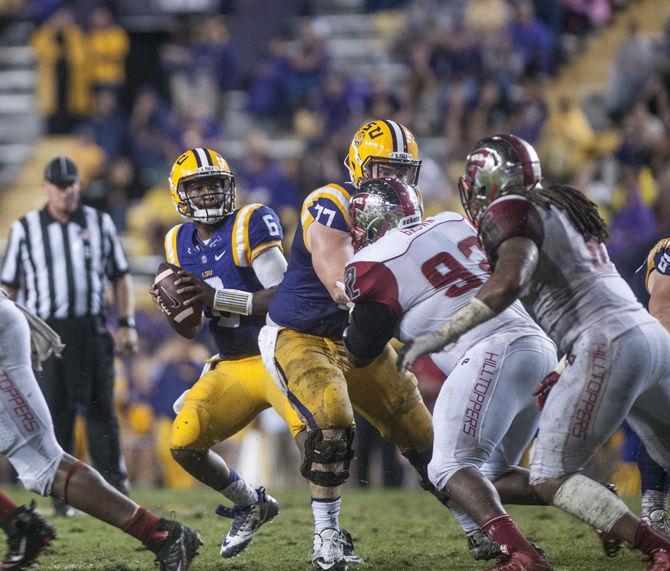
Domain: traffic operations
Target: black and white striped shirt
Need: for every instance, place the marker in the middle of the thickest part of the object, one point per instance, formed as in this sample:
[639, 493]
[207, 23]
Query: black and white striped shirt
[61, 270]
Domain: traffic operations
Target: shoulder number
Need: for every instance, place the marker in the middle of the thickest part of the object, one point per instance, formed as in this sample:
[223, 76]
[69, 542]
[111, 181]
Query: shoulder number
[349, 283]
[443, 269]
[273, 229]
[326, 212]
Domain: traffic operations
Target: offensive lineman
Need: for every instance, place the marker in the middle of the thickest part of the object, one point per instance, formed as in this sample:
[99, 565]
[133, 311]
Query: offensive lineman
[547, 245]
[303, 345]
[28, 441]
[231, 260]
[407, 276]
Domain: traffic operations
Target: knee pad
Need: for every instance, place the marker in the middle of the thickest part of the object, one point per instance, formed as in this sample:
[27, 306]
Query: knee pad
[330, 450]
[187, 429]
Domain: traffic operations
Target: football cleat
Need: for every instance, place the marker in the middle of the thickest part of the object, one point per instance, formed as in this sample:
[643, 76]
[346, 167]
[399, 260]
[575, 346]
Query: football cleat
[522, 561]
[348, 548]
[27, 535]
[246, 521]
[611, 545]
[482, 546]
[657, 519]
[174, 545]
[328, 552]
[660, 561]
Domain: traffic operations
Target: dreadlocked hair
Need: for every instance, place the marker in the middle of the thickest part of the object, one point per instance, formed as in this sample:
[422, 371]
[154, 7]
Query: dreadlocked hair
[582, 212]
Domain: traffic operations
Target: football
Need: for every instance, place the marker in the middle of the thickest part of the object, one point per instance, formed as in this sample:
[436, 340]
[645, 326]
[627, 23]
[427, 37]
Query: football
[183, 318]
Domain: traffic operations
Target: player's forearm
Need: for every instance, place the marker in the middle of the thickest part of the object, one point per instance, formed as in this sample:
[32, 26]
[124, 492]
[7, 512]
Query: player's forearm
[124, 299]
[261, 300]
[331, 273]
[517, 260]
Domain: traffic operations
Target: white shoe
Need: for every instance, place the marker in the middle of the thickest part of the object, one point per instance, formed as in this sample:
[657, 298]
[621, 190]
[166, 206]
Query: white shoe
[657, 519]
[246, 521]
[328, 553]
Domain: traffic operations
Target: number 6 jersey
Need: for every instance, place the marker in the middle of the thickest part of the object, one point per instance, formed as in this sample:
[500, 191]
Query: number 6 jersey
[426, 273]
[225, 261]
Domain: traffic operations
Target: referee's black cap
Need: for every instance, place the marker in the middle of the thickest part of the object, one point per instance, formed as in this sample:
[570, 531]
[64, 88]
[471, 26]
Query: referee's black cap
[61, 171]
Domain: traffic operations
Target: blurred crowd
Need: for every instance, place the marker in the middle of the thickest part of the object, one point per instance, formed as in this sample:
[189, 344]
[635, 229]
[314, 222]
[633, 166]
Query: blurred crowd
[452, 71]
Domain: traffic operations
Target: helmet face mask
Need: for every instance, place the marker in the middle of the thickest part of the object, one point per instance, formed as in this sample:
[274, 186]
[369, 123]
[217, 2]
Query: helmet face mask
[380, 205]
[202, 186]
[405, 170]
[207, 198]
[497, 165]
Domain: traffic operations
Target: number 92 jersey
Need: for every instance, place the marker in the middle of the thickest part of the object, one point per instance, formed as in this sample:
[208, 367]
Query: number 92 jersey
[302, 302]
[426, 273]
[225, 261]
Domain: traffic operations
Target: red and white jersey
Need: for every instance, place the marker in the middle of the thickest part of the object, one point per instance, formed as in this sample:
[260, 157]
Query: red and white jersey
[428, 272]
[575, 285]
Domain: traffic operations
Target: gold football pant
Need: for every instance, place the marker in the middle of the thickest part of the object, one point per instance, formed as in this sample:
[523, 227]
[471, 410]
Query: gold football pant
[326, 389]
[227, 398]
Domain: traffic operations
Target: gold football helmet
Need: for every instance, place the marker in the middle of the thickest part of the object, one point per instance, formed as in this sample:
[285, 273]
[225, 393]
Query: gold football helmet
[383, 148]
[202, 186]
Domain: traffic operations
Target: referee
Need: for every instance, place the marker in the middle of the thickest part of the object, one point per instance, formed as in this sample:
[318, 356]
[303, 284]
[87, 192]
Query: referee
[58, 263]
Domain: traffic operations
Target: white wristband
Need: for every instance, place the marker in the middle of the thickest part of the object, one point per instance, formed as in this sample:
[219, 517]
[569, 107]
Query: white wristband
[233, 301]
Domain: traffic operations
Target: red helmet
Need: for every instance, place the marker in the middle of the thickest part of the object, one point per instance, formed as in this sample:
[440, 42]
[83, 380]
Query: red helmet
[497, 164]
[379, 205]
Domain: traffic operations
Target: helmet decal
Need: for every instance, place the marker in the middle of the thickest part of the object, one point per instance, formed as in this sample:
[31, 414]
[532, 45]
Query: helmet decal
[380, 205]
[496, 165]
[383, 148]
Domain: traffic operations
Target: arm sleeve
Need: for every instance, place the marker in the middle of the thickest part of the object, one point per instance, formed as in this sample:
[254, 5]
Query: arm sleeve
[371, 326]
[269, 267]
[509, 217]
[11, 266]
[117, 263]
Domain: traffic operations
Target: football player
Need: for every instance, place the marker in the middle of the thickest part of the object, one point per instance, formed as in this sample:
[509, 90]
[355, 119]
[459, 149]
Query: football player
[303, 346]
[28, 441]
[654, 479]
[409, 281]
[231, 260]
[548, 246]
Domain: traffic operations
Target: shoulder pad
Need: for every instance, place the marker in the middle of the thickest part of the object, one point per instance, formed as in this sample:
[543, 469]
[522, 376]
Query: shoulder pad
[508, 217]
[328, 205]
[171, 245]
[371, 281]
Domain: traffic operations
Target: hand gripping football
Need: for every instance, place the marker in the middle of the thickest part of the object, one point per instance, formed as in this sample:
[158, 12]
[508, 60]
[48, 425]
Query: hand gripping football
[183, 318]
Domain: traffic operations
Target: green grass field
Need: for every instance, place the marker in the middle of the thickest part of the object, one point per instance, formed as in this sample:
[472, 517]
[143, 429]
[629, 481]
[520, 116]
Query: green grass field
[392, 530]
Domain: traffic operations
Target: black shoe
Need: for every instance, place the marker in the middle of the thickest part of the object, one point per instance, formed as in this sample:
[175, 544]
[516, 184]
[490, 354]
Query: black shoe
[27, 535]
[174, 545]
[61, 509]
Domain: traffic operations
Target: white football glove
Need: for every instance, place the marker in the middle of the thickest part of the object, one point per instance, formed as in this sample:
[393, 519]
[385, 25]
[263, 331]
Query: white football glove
[421, 345]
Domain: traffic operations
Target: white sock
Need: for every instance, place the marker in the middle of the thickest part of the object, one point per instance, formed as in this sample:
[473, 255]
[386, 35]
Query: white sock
[326, 514]
[464, 520]
[238, 491]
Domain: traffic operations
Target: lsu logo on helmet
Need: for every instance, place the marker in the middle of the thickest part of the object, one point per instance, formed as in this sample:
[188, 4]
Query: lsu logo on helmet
[383, 148]
[202, 165]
